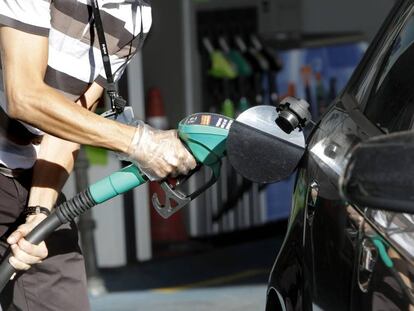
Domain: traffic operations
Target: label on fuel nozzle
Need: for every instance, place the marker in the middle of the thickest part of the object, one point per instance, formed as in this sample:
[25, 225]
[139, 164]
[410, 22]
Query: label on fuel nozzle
[209, 119]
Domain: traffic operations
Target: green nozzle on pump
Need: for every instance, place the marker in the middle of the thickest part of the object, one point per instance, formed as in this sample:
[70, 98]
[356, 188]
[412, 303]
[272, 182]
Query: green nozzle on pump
[228, 108]
[243, 104]
[221, 67]
[244, 69]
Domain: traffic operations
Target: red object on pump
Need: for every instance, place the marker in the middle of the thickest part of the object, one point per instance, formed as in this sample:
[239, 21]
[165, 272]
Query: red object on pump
[173, 228]
[291, 91]
[155, 111]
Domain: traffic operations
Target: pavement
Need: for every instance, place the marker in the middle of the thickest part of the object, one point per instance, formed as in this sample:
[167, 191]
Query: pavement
[222, 278]
[204, 299]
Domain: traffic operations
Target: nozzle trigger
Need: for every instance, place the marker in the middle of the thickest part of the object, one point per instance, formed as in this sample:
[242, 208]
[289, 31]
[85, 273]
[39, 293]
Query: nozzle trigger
[174, 201]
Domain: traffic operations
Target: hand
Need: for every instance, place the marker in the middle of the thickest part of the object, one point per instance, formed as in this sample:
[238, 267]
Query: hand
[160, 153]
[26, 254]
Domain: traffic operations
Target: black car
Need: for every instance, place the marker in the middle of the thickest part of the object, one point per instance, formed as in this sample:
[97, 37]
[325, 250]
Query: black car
[349, 250]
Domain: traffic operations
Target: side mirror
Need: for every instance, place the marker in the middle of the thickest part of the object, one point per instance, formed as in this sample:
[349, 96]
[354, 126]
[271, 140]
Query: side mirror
[380, 173]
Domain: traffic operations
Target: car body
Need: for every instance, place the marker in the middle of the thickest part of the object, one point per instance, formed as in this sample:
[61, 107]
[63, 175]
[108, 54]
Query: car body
[338, 255]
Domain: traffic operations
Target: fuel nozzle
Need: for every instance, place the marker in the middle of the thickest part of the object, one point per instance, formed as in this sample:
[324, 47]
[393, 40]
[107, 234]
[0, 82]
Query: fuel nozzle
[293, 113]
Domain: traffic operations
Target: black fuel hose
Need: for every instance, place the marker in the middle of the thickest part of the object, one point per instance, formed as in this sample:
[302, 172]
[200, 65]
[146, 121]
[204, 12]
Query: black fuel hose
[63, 213]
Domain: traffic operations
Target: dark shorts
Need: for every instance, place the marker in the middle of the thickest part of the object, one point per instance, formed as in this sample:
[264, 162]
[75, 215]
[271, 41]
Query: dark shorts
[59, 282]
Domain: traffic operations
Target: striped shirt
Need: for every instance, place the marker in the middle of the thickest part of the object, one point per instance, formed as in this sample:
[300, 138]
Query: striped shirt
[75, 59]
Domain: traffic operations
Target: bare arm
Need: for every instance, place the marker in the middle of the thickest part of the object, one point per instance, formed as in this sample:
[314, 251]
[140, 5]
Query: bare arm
[32, 101]
[56, 159]
[55, 163]
[29, 99]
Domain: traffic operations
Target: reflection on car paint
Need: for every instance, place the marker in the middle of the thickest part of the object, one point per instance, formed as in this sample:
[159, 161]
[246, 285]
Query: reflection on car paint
[398, 228]
[395, 271]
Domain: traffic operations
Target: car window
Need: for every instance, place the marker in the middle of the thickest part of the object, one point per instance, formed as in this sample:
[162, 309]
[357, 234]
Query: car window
[391, 103]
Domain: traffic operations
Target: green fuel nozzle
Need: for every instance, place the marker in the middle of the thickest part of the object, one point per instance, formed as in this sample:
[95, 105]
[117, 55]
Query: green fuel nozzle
[204, 134]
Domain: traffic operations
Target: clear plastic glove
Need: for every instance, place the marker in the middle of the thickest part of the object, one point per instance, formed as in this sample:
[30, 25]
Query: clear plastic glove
[160, 153]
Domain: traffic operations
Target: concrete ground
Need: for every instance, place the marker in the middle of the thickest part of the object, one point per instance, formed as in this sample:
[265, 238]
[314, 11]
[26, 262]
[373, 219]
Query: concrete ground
[229, 298]
[223, 279]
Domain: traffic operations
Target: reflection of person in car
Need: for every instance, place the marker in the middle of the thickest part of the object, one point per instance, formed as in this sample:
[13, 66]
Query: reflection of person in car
[398, 227]
[400, 269]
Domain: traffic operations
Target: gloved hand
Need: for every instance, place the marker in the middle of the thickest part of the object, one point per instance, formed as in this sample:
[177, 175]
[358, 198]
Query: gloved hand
[159, 153]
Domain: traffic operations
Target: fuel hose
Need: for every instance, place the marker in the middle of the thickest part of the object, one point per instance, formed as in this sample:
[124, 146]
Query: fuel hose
[104, 190]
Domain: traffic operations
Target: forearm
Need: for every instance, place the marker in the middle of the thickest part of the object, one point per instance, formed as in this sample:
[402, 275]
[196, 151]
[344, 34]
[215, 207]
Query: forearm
[29, 99]
[56, 159]
[48, 110]
[53, 167]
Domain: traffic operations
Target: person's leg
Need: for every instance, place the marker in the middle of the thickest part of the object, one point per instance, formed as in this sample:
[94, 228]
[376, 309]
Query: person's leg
[10, 209]
[59, 282]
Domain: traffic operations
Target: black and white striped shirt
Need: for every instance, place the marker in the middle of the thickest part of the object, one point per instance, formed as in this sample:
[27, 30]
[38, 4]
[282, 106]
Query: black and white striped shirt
[74, 56]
